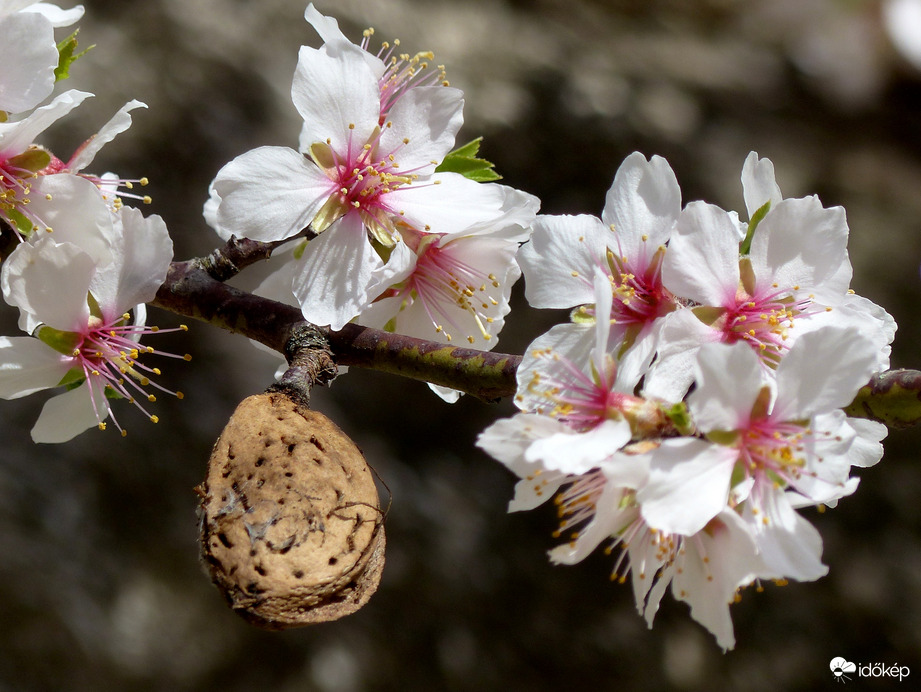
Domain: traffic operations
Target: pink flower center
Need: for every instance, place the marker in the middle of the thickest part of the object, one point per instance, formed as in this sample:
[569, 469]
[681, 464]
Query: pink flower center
[763, 321]
[107, 352]
[778, 454]
[403, 72]
[580, 400]
[362, 177]
[449, 289]
[15, 186]
[639, 295]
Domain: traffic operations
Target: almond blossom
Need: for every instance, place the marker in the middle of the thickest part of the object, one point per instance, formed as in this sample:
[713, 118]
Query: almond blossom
[766, 451]
[26, 196]
[21, 160]
[570, 432]
[572, 443]
[572, 411]
[459, 284]
[28, 52]
[87, 340]
[628, 244]
[364, 173]
[793, 278]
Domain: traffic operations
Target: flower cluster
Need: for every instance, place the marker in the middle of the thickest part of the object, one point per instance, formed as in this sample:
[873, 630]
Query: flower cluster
[699, 491]
[685, 414]
[395, 242]
[84, 265]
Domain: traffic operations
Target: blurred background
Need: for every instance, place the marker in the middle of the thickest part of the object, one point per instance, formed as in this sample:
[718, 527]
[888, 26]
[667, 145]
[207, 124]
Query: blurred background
[100, 584]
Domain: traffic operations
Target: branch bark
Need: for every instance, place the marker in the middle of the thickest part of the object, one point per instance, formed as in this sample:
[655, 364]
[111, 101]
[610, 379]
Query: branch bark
[195, 289]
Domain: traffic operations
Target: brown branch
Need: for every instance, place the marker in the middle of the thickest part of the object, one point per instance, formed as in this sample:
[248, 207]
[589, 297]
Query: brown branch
[190, 290]
[195, 289]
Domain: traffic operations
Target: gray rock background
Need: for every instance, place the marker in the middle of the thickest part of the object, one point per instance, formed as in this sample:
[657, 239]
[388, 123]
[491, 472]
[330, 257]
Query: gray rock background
[100, 586]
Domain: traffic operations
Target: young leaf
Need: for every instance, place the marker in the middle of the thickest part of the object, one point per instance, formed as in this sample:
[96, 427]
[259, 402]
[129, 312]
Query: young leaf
[464, 161]
[66, 56]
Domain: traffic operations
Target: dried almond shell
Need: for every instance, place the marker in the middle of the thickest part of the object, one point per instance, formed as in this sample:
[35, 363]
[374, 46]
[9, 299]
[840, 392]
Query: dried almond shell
[291, 527]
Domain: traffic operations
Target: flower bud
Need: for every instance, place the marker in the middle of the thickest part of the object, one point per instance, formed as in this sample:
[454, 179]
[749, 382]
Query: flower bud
[291, 527]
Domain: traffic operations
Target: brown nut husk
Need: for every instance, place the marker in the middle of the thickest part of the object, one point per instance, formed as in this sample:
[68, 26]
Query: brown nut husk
[291, 527]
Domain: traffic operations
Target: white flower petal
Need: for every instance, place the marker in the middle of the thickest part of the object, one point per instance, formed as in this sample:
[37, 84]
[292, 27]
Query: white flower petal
[511, 218]
[141, 258]
[702, 262]
[209, 213]
[326, 27]
[75, 211]
[758, 184]
[559, 261]
[680, 338]
[422, 126]
[16, 137]
[822, 372]
[866, 449]
[27, 365]
[446, 394]
[28, 57]
[688, 485]
[719, 561]
[507, 439]
[50, 282]
[578, 453]
[728, 383]
[119, 122]
[448, 203]
[58, 17]
[269, 193]
[69, 414]
[790, 546]
[643, 204]
[335, 274]
[801, 244]
[336, 92]
[399, 265]
[635, 362]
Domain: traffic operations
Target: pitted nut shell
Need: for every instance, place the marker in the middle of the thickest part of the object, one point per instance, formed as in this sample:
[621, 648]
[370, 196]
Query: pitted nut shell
[291, 527]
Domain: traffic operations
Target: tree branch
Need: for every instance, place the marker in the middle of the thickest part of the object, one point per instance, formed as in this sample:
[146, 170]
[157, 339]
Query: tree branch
[190, 290]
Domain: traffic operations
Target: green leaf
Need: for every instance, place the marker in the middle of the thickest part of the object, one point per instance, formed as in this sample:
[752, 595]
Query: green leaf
[469, 150]
[464, 161]
[67, 57]
[746, 245]
[891, 398]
